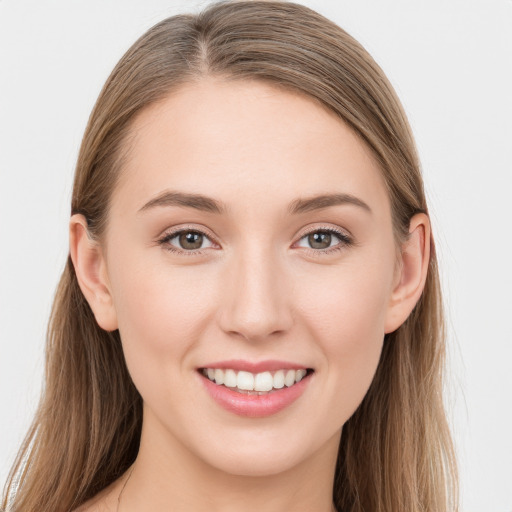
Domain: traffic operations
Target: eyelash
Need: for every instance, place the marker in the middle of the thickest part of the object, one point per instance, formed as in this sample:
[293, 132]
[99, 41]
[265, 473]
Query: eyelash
[345, 241]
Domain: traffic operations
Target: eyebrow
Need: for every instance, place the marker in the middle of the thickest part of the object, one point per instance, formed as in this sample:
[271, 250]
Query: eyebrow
[210, 205]
[324, 201]
[196, 201]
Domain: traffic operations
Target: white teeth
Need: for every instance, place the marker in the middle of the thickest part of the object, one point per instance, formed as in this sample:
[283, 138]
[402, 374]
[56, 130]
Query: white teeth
[259, 383]
[245, 380]
[299, 374]
[230, 379]
[219, 376]
[289, 380]
[279, 379]
[263, 382]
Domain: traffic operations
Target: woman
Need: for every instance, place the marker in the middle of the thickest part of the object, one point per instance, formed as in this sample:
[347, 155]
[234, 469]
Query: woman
[250, 317]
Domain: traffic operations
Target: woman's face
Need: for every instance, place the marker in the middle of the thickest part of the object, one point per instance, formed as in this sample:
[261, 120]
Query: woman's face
[250, 231]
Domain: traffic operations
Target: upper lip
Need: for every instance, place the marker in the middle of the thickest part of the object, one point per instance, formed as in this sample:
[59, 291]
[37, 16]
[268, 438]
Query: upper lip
[255, 367]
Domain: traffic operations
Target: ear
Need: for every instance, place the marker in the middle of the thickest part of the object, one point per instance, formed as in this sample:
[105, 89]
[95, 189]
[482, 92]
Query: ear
[91, 272]
[411, 274]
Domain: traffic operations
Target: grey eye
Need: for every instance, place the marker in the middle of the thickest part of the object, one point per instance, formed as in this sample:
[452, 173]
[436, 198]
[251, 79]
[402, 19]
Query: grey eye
[320, 239]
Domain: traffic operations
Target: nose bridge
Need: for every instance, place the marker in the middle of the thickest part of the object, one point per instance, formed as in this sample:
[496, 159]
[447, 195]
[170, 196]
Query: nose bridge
[257, 302]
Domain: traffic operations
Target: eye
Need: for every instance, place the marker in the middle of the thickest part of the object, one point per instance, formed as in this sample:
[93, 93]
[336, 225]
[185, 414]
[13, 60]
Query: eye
[186, 241]
[325, 240]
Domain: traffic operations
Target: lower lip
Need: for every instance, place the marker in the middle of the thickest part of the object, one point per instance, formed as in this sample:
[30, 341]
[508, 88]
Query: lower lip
[255, 406]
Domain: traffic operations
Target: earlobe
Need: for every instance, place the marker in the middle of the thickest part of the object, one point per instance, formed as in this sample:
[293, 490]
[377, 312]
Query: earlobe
[90, 269]
[415, 258]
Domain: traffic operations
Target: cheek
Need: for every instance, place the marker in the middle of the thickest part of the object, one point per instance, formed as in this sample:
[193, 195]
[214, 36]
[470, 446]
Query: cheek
[350, 304]
[160, 310]
[347, 320]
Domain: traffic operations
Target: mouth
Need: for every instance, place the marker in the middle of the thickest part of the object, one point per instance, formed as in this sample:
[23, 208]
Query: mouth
[256, 389]
[256, 384]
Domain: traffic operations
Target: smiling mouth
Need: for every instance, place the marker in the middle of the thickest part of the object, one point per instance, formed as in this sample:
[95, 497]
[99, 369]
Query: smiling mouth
[248, 383]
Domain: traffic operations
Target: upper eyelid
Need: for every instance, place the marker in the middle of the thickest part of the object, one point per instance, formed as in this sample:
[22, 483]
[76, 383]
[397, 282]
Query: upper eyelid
[336, 230]
[204, 231]
[172, 232]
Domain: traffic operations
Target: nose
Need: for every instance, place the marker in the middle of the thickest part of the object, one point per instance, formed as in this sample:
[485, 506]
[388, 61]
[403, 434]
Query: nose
[256, 301]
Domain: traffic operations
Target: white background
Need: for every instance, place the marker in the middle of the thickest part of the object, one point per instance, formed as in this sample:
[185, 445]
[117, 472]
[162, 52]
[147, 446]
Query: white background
[451, 63]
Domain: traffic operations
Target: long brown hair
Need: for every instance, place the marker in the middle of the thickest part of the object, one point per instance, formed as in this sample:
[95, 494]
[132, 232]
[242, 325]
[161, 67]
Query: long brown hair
[396, 454]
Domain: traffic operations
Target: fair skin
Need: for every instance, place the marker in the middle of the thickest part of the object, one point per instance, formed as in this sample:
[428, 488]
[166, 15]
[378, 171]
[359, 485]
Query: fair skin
[256, 287]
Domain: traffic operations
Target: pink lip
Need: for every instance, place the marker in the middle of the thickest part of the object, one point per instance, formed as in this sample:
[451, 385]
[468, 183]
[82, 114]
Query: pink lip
[261, 366]
[254, 406]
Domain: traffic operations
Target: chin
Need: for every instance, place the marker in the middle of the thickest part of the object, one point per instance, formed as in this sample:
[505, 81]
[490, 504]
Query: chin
[259, 456]
[255, 465]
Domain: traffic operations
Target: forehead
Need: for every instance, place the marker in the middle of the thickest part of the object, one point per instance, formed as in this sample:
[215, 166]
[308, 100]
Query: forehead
[245, 141]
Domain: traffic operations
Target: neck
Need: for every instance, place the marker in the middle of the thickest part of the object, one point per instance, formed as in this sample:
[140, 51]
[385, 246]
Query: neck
[168, 476]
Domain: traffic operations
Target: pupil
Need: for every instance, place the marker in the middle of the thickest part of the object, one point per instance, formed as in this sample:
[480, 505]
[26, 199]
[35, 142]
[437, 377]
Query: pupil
[320, 240]
[191, 240]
